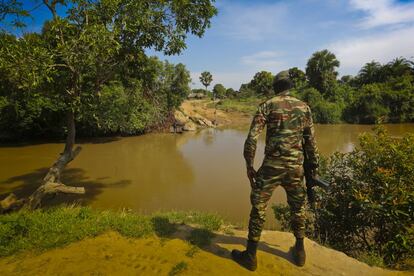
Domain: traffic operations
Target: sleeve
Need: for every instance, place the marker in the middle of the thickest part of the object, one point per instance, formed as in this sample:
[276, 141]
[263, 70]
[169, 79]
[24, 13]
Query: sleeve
[309, 143]
[257, 126]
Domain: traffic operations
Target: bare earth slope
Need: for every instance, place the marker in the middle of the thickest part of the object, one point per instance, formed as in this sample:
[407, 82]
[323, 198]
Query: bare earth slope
[203, 108]
[112, 254]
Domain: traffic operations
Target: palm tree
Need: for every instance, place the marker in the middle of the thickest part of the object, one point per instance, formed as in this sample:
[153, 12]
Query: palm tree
[371, 72]
[399, 66]
[206, 78]
[321, 70]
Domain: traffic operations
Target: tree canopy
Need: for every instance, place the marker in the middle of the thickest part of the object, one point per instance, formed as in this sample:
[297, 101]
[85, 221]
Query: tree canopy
[321, 70]
[67, 66]
[262, 83]
[206, 78]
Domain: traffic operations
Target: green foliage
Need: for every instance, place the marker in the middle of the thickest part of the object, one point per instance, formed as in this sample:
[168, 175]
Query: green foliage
[375, 72]
[392, 101]
[262, 83]
[219, 91]
[323, 111]
[231, 93]
[368, 210]
[371, 202]
[298, 77]
[243, 105]
[118, 110]
[206, 78]
[246, 92]
[45, 229]
[178, 268]
[321, 71]
[94, 44]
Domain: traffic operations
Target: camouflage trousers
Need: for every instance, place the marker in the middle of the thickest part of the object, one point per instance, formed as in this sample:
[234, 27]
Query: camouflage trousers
[267, 179]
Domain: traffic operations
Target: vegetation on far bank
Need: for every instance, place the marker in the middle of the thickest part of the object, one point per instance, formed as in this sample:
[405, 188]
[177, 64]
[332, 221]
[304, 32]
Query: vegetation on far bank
[379, 93]
[241, 105]
[59, 226]
[368, 212]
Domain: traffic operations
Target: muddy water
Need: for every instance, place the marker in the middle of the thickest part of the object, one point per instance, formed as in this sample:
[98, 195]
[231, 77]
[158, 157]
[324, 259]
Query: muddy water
[202, 171]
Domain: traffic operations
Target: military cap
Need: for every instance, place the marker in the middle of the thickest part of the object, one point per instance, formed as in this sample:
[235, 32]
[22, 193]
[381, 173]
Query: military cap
[282, 75]
[282, 81]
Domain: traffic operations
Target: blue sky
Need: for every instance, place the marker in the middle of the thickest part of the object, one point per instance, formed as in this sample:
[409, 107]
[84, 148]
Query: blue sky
[250, 36]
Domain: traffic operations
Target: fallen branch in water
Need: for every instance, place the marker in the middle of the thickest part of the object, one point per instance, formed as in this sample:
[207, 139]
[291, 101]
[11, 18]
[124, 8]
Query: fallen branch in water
[51, 185]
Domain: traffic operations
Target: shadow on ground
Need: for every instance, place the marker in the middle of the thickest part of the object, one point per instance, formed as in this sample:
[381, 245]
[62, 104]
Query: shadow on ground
[71, 176]
[209, 241]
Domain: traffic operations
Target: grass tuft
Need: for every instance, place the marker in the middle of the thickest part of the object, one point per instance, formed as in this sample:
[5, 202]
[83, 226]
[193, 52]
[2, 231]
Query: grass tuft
[178, 268]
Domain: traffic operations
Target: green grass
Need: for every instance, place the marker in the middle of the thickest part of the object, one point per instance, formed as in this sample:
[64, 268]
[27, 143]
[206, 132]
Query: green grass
[55, 227]
[178, 268]
[371, 258]
[243, 105]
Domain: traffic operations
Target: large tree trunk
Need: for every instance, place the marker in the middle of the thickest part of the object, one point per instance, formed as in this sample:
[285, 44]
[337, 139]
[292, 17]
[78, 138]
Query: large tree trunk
[51, 182]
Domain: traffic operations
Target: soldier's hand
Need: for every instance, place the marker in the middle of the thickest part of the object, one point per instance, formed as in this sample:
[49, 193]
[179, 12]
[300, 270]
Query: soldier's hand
[251, 174]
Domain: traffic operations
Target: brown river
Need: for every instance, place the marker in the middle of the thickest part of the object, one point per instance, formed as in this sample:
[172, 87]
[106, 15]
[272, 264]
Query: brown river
[192, 171]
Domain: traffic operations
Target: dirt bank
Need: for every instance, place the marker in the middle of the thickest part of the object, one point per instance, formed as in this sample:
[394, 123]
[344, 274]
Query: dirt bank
[113, 254]
[206, 109]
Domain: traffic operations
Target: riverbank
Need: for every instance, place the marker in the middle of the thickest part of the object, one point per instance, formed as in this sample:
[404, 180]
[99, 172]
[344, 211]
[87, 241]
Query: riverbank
[82, 241]
[225, 113]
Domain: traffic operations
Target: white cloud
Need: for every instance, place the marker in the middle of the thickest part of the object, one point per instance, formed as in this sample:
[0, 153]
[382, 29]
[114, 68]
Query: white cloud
[264, 60]
[252, 22]
[355, 52]
[384, 12]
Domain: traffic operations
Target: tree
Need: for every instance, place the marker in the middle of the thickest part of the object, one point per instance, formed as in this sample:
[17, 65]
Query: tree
[180, 86]
[231, 93]
[371, 72]
[298, 77]
[346, 79]
[323, 111]
[398, 67]
[321, 71]
[219, 91]
[368, 107]
[206, 78]
[262, 83]
[82, 51]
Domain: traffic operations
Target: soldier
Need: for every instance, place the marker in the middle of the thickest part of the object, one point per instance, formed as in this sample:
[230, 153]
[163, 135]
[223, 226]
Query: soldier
[289, 134]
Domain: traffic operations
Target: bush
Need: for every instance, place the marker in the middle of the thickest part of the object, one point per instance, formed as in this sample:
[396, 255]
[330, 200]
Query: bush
[368, 211]
[323, 111]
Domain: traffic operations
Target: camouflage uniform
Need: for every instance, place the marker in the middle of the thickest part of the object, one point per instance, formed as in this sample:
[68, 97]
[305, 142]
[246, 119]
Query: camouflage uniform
[289, 133]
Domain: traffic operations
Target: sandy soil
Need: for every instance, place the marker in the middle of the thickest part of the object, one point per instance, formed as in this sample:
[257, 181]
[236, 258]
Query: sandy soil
[112, 254]
[225, 119]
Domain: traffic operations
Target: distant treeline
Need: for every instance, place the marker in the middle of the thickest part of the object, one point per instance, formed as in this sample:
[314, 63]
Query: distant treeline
[130, 104]
[378, 93]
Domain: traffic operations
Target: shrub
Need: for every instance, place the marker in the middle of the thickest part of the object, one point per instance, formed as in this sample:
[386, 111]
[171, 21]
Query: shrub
[369, 208]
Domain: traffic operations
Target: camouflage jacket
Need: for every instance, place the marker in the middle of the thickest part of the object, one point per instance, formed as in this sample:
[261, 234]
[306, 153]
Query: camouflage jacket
[290, 132]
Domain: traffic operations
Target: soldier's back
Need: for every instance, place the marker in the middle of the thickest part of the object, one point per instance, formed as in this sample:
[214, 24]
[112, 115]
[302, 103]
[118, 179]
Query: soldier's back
[286, 118]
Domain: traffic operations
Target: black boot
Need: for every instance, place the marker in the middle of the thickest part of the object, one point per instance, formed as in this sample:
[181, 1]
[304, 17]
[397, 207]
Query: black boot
[299, 254]
[246, 258]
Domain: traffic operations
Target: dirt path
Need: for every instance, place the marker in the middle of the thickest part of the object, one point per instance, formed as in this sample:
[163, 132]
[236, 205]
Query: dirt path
[203, 108]
[112, 254]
